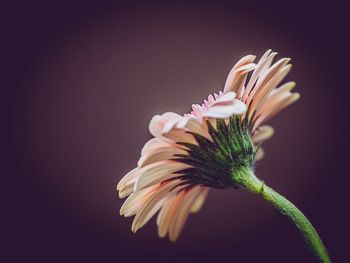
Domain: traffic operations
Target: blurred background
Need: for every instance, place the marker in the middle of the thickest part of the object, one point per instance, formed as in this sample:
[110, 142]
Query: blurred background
[82, 80]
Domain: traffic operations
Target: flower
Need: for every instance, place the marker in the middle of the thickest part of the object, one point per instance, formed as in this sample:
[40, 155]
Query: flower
[207, 147]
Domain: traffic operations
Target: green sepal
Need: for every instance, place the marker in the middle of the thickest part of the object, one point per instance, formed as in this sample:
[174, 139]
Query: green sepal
[214, 161]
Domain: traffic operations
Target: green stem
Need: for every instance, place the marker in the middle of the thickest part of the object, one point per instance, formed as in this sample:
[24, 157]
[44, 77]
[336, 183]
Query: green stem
[245, 178]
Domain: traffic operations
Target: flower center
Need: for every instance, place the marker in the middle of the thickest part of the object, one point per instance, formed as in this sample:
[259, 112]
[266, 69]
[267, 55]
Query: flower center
[214, 162]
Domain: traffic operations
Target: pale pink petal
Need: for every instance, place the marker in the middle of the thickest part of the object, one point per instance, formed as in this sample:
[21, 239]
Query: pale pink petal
[153, 211]
[168, 127]
[167, 202]
[263, 64]
[276, 96]
[242, 74]
[232, 76]
[182, 213]
[259, 154]
[152, 204]
[158, 172]
[265, 91]
[262, 133]
[179, 135]
[130, 176]
[166, 215]
[158, 122]
[170, 124]
[194, 125]
[152, 144]
[127, 189]
[261, 85]
[159, 154]
[198, 203]
[226, 110]
[226, 98]
[135, 201]
[191, 124]
[271, 111]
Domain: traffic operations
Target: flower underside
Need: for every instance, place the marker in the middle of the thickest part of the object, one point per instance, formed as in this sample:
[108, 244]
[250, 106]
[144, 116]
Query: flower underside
[213, 163]
[213, 146]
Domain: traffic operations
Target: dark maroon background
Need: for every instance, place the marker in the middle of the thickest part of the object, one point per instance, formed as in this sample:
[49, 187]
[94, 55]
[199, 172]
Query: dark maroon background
[81, 81]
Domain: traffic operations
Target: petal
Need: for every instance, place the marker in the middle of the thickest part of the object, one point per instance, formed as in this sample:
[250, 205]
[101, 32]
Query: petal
[232, 76]
[194, 125]
[127, 178]
[158, 172]
[177, 135]
[276, 96]
[263, 82]
[179, 126]
[259, 154]
[159, 154]
[226, 110]
[158, 122]
[166, 214]
[227, 98]
[274, 109]
[135, 201]
[265, 91]
[166, 127]
[262, 133]
[263, 64]
[167, 201]
[170, 124]
[153, 144]
[182, 213]
[127, 190]
[241, 78]
[198, 203]
[152, 204]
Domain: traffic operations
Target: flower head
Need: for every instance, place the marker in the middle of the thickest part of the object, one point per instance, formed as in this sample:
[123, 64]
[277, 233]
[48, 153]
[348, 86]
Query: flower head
[205, 148]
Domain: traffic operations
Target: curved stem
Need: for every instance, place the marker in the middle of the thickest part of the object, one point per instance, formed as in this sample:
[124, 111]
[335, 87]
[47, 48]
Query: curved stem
[245, 178]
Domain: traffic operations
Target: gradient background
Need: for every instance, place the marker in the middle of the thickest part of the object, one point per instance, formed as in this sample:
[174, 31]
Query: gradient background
[82, 80]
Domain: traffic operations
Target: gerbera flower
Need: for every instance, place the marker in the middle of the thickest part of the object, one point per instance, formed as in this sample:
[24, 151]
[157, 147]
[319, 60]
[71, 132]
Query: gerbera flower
[213, 146]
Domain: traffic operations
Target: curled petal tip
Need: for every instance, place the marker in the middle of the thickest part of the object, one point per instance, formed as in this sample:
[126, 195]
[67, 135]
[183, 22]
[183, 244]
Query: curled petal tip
[291, 85]
[296, 96]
